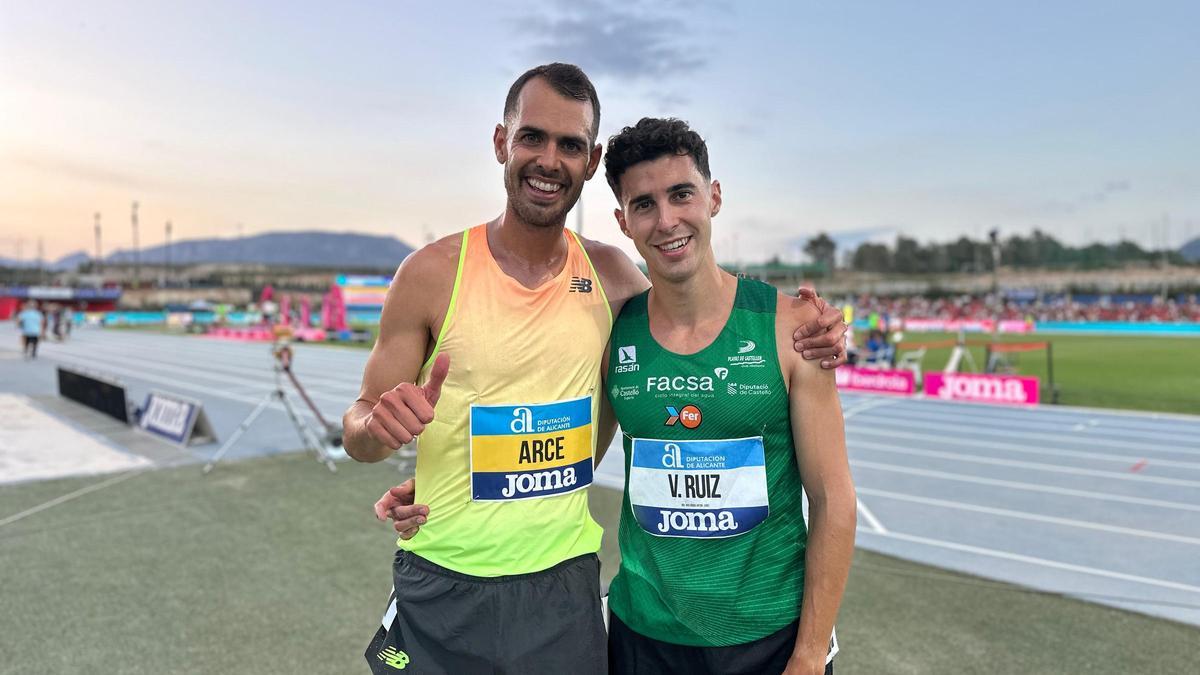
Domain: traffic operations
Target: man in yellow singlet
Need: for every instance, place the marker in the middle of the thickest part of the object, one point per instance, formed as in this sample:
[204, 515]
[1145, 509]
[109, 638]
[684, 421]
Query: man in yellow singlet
[502, 329]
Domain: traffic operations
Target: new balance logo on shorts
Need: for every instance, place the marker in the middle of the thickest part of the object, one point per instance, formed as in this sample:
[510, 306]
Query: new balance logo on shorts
[581, 285]
[391, 657]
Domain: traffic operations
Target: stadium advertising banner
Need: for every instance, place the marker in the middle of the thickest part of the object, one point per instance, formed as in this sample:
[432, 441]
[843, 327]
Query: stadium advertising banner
[966, 326]
[982, 388]
[876, 381]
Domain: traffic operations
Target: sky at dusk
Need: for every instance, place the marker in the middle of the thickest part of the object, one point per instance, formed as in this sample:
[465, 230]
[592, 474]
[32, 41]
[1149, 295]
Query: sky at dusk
[862, 119]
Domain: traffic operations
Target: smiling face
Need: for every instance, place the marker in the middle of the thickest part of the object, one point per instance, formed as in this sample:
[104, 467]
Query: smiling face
[545, 147]
[666, 209]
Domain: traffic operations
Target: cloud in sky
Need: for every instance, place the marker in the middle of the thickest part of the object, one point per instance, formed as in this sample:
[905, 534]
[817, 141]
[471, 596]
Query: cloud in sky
[628, 43]
[1095, 197]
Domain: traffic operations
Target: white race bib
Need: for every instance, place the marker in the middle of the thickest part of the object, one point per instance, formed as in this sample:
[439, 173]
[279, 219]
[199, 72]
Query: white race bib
[698, 489]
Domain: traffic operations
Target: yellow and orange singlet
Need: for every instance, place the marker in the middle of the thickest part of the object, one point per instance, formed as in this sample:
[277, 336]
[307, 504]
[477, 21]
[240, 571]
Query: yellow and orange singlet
[504, 464]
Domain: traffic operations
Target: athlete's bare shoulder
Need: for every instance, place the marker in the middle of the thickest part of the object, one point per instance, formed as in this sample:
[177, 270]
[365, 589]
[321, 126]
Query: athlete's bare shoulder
[790, 313]
[423, 283]
[621, 278]
[433, 259]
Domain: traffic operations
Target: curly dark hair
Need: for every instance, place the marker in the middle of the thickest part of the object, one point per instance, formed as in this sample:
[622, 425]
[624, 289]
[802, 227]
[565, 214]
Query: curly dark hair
[567, 79]
[648, 140]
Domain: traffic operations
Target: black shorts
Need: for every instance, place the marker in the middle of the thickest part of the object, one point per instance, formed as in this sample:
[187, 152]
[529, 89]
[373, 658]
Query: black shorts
[440, 621]
[631, 653]
[31, 340]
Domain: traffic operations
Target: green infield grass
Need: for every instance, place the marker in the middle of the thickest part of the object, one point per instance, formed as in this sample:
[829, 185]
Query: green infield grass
[277, 566]
[1135, 373]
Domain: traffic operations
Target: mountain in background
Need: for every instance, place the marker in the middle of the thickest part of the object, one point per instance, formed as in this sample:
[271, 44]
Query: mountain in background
[1191, 250]
[331, 250]
[65, 263]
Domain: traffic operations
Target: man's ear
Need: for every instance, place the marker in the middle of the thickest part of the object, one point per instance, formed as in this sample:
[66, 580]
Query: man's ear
[620, 216]
[500, 143]
[593, 161]
[716, 198]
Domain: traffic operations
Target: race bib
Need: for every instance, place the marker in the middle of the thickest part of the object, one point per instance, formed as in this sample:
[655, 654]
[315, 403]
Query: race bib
[530, 451]
[698, 489]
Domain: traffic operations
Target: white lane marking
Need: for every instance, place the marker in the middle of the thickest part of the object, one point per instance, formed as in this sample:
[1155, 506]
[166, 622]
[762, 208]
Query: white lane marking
[1123, 421]
[870, 517]
[1127, 460]
[73, 495]
[1116, 429]
[1033, 487]
[869, 404]
[1042, 562]
[219, 362]
[1024, 515]
[857, 408]
[110, 366]
[192, 371]
[1135, 477]
[180, 384]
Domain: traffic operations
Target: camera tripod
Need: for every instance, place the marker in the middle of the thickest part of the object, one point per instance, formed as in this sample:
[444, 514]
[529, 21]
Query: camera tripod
[326, 446]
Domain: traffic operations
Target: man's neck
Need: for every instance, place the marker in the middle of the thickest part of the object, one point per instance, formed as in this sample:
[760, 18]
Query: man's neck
[528, 253]
[702, 299]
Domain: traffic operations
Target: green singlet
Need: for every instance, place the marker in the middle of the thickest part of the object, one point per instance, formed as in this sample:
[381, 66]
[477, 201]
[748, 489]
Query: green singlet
[712, 535]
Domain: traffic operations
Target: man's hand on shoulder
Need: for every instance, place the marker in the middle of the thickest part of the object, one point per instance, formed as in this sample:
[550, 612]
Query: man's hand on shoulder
[823, 337]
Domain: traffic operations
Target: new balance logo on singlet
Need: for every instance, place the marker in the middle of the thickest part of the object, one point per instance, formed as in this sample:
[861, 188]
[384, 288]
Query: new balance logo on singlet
[581, 285]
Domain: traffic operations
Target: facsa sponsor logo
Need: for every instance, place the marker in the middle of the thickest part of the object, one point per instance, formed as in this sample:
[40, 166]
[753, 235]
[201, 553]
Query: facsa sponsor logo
[627, 359]
[745, 346]
[694, 521]
[679, 383]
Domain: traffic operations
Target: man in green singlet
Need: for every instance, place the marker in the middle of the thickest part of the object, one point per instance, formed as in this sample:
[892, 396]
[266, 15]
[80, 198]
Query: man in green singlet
[723, 424]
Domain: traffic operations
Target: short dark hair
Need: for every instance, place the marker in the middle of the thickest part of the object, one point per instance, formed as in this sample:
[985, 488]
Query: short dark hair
[567, 79]
[648, 140]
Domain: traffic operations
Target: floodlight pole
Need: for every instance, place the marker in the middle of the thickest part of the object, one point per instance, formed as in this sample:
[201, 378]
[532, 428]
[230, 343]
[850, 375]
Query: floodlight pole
[137, 260]
[99, 256]
[994, 236]
[167, 254]
[1050, 371]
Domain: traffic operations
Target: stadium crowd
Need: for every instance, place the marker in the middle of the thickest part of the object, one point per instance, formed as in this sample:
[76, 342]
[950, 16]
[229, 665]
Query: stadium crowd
[1133, 308]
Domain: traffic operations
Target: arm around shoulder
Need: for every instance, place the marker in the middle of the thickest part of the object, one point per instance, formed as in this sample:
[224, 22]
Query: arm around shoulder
[620, 277]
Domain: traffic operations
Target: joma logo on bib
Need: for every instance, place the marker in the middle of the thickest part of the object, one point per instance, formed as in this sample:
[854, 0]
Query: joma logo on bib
[679, 383]
[526, 483]
[692, 521]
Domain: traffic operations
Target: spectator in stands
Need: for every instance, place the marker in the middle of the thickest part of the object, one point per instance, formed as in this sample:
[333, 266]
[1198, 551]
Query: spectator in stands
[879, 352]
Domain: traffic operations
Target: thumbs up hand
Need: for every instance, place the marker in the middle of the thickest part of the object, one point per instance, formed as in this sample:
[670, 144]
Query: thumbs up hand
[402, 413]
